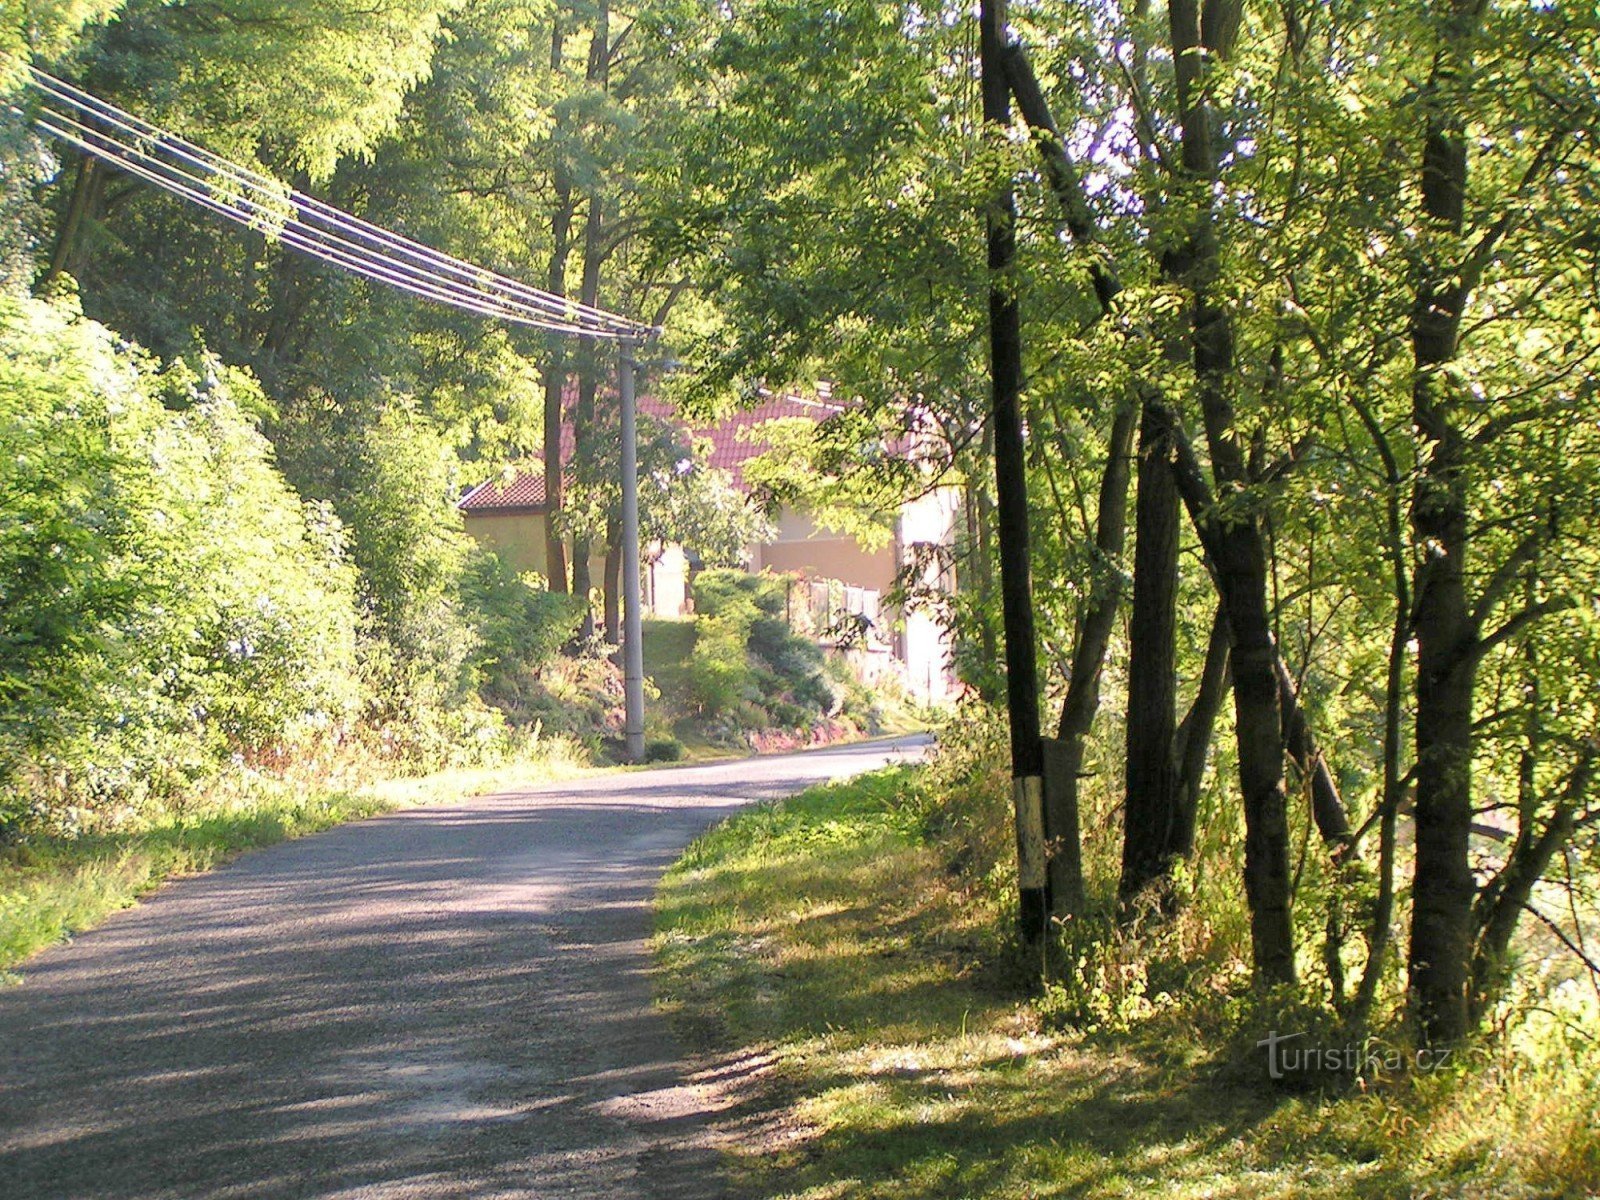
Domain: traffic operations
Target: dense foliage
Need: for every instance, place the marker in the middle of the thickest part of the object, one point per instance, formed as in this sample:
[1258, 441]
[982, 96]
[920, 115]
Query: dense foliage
[168, 603]
[1320, 282]
[1309, 324]
[748, 669]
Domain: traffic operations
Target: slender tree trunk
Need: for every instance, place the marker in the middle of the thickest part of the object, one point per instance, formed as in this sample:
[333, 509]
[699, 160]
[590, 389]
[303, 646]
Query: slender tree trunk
[1095, 625]
[1196, 729]
[1096, 622]
[1011, 489]
[1380, 932]
[613, 584]
[1150, 813]
[1327, 805]
[986, 586]
[1258, 728]
[1502, 903]
[84, 186]
[1443, 888]
[598, 73]
[583, 412]
[1237, 546]
[555, 369]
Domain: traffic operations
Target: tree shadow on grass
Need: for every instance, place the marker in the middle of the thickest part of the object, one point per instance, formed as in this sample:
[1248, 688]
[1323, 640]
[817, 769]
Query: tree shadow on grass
[1060, 1125]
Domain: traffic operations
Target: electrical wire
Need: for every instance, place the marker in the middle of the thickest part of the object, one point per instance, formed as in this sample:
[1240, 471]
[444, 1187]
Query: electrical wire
[320, 211]
[373, 239]
[271, 218]
[259, 217]
[304, 223]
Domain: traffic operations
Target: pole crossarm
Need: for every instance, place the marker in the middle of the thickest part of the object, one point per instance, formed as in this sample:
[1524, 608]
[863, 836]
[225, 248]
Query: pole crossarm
[257, 201]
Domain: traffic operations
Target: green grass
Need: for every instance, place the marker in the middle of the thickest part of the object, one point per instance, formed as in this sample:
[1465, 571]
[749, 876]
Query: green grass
[827, 932]
[668, 644]
[54, 887]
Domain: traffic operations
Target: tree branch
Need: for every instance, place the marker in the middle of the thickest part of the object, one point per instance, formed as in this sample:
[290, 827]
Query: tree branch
[1059, 168]
[1534, 612]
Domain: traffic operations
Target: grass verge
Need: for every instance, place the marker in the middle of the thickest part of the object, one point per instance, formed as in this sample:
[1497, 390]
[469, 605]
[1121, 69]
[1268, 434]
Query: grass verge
[829, 932]
[54, 887]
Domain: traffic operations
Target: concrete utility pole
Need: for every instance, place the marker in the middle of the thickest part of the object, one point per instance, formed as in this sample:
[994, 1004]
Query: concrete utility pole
[632, 599]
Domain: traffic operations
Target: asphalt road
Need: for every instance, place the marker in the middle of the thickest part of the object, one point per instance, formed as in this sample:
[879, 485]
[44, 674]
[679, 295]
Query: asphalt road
[444, 1002]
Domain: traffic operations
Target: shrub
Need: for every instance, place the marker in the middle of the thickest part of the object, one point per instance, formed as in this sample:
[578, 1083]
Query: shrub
[580, 696]
[521, 627]
[167, 603]
[748, 667]
[398, 498]
[663, 749]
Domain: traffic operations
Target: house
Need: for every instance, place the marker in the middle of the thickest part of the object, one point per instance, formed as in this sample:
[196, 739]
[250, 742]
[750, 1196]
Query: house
[840, 583]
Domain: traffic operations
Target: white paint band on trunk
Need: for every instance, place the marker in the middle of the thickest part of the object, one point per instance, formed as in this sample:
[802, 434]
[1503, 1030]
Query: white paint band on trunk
[1027, 795]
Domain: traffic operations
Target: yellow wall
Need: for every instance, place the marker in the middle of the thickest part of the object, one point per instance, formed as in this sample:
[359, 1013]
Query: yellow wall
[518, 538]
[800, 546]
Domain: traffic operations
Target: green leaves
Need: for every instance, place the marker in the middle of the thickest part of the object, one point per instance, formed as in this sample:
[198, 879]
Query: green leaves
[300, 84]
[166, 601]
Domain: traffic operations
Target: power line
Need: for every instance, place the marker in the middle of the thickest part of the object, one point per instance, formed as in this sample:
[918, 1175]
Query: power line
[292, 233]
[257, 201]
[286, 206]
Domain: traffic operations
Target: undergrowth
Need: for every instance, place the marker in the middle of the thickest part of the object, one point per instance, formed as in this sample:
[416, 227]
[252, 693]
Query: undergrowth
[859, 934]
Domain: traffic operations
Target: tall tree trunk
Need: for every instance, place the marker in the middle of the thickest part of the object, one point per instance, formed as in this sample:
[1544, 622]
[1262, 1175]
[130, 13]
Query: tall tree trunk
[983, 547]
[1150, 812]
[1105, 599]
[1379, 931]
[1443, 887]
[598, 74]
[1237, 546]
[1011, 490]
[1095, 625]
[85, 186]
[555, 368]
[583, 411]
[1242, 576]
[1160, 818]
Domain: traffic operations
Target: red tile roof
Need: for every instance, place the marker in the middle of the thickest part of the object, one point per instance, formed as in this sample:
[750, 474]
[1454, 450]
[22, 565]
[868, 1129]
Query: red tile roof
[518, 491]
[734, 441]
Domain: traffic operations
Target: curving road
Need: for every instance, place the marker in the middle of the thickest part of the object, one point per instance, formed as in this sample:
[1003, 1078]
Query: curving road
[440, 1003]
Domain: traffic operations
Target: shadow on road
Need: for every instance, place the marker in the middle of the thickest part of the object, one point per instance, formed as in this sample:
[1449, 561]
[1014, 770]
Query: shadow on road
[443, 1003]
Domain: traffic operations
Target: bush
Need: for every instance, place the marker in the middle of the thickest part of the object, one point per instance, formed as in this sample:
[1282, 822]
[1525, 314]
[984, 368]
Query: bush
[718, 671]
[748, 667]
[579, 696]
[167, 603]
[398, 497]
[663, 749]
[521, 627]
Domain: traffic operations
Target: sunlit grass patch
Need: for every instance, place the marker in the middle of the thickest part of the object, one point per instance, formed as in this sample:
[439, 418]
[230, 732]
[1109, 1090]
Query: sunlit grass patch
[830, 932]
